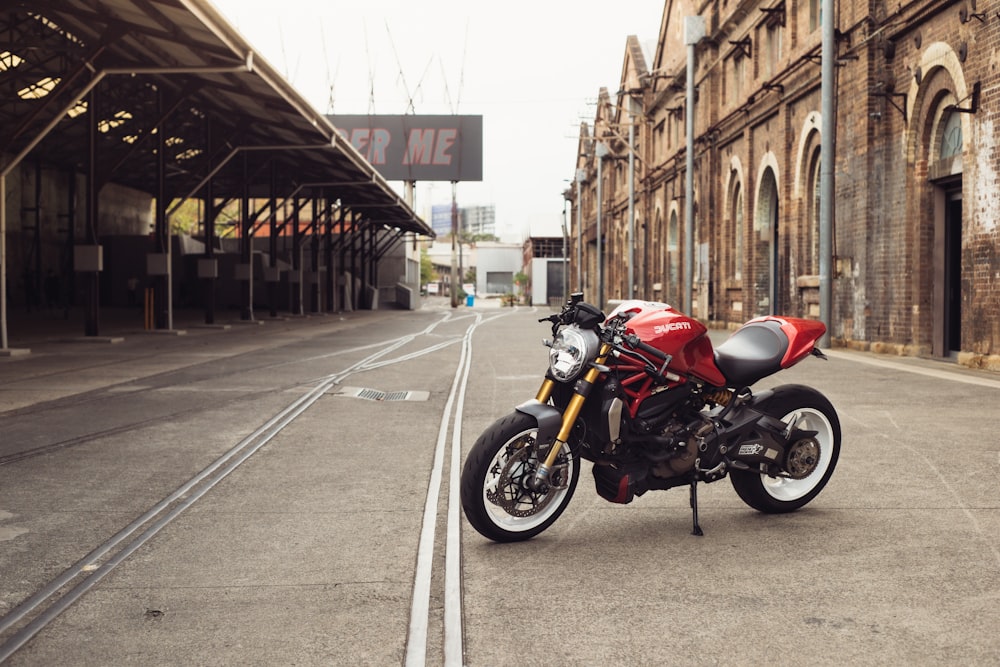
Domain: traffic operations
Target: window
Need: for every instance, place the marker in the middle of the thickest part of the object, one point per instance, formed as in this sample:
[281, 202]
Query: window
[673, 260]
[770, 39]
[739, 73]
[951, 137]
[812, 214]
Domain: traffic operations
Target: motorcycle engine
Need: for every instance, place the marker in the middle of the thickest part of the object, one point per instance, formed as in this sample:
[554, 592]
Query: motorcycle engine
[682, 454]
[652, 451]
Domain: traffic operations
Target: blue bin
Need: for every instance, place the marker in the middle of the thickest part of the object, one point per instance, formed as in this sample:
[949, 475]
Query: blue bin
[469, 300]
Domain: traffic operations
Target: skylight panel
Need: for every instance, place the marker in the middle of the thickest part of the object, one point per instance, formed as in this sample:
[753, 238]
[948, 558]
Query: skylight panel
[39, 89]
[9, 60]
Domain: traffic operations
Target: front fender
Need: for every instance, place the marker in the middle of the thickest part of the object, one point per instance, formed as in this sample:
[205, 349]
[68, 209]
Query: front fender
[548, 418]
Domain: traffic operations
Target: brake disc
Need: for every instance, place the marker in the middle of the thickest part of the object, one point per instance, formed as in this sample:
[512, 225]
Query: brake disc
[511, 492]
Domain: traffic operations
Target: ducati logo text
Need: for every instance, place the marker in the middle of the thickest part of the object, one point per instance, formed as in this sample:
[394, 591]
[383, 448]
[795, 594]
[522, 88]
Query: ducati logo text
[673, 326]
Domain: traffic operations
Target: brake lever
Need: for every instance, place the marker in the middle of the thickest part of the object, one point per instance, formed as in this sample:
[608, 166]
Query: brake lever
[634, 345]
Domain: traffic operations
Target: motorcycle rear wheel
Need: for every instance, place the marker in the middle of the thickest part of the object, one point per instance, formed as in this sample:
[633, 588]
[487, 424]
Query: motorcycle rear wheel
[777, 495]
[500, 462]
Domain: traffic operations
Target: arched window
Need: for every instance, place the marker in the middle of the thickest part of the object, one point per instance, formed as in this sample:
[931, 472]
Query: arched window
[811, 264]
[765, 245]
[736, 217]
[951, 137]
[674, 259]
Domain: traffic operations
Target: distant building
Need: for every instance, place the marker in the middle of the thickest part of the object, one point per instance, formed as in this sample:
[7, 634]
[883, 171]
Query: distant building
[441, 219]
[479, 220]
[473, 220]
[547, 269]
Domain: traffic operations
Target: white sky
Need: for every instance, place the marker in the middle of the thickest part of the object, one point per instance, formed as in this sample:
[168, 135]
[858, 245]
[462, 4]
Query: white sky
[531, 68]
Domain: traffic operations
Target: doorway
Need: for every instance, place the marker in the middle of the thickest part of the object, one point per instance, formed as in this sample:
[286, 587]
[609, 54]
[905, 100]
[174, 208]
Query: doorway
[952, 270]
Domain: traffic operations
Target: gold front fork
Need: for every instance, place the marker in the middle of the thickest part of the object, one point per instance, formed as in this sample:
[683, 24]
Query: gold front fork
[571, 412]
[545, 391]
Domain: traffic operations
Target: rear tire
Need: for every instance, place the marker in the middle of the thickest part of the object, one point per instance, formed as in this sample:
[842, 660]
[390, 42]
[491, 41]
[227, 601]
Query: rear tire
[777, 495]
[497, 467]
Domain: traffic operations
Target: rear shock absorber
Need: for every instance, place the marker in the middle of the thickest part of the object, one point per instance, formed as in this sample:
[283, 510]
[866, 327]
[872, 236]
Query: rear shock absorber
[720, 396]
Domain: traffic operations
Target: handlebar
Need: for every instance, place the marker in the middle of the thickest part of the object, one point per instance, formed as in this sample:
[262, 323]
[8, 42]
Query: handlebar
[633, 341]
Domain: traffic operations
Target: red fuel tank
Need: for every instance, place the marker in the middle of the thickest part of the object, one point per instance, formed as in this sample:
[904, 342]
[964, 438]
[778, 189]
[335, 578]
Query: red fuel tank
[684, 338]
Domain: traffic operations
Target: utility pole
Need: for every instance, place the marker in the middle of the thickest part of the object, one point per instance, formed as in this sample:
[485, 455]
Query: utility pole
[454, 249]
[630, 290]
[601, 150]
[581, 175]
[694, 30]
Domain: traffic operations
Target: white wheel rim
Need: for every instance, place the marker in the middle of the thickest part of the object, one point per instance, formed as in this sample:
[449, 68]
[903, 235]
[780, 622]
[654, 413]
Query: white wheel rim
[785, 489]
[517, 524]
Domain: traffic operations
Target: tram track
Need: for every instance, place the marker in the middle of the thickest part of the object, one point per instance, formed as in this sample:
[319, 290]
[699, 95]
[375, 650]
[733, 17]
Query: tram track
[53, 598]
[169, 380]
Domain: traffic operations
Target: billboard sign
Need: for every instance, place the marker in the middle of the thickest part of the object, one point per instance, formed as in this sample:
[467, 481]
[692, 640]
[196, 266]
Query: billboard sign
[417, 148]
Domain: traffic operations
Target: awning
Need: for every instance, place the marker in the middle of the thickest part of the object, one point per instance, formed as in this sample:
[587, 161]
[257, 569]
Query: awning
[176, 67]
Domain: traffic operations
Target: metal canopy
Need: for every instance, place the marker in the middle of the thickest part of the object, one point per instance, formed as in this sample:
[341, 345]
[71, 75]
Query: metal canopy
[138, 68]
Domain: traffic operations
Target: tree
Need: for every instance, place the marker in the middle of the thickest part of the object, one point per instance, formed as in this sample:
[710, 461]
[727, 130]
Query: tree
[426, 267]
[522, 281]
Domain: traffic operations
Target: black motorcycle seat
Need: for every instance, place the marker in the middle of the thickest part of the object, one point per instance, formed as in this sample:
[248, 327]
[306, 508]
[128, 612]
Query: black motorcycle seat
[754, 351]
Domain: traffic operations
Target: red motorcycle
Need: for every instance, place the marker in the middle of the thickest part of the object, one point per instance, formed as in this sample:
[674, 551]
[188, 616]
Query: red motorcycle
[643, 395]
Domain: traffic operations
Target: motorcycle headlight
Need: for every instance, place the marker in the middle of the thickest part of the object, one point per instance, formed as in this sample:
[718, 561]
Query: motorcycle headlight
[572, 349]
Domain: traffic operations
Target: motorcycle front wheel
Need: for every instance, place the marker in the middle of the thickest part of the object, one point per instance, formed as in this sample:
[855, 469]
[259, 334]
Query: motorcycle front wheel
[811, 412]
[496, 497]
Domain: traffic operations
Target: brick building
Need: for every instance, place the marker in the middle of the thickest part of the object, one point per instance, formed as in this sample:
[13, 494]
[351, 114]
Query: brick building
[916, 267]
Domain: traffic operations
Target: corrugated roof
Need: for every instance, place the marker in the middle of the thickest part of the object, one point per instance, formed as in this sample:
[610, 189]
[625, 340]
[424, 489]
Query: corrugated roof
[171, 72]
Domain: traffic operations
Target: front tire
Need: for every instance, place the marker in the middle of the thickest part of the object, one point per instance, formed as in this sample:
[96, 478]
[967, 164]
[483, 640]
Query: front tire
[495, 498]
[777, 495]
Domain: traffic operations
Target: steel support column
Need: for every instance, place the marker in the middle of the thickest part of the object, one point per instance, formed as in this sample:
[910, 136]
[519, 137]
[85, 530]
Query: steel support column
[296, 260]
[208, 282]
[246, 245]
[92, 284]
[314, 258]
[355, 242]
[272, 246]
[330, 281]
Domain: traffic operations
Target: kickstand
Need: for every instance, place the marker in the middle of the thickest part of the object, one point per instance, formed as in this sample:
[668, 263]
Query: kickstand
[696, 529]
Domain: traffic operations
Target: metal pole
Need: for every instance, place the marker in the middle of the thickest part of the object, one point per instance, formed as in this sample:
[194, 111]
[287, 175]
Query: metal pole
[828, 129]
[453, 288]
[601, 151]
[580, 175]
[694, 30]
[3, 260]
[631, 206]
[565, 249]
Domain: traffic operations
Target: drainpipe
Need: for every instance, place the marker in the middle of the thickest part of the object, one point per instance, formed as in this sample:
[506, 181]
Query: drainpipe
[581, 174]
[631, 207]
[601, 151]
[694, 30]
[828, 129]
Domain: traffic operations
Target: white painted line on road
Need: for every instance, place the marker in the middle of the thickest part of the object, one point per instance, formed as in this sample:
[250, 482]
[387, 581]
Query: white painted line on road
[416, 642]
[453, 652]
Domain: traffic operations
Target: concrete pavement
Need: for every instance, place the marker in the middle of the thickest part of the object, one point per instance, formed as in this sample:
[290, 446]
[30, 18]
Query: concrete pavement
[306, 553]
